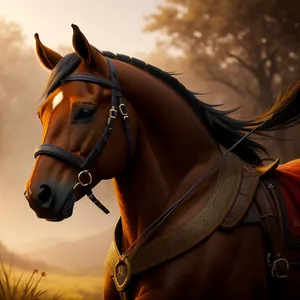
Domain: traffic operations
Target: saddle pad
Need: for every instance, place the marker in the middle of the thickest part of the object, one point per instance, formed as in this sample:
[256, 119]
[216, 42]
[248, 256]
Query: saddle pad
[288, 177]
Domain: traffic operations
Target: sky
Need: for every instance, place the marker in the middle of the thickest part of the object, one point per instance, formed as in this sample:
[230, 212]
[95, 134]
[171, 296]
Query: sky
[114, 25]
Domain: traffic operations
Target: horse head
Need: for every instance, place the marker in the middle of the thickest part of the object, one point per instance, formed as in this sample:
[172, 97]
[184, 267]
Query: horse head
[86, 132]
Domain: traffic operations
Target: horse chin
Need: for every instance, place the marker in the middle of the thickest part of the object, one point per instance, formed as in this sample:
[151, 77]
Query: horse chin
[65, 213]
[55, 220]
[66, 209]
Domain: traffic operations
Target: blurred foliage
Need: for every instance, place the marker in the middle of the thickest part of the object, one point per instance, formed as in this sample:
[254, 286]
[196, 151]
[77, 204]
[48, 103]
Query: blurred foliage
[19, 69]
[252, 47]
[21, 79]
[21, 82]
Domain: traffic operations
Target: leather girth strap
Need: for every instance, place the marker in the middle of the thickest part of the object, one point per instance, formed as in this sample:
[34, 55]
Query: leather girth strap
[266, 210]
[268, 204]
[233, 193]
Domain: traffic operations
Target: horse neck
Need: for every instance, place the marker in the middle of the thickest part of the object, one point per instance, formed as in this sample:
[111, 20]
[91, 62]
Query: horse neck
[171, 145]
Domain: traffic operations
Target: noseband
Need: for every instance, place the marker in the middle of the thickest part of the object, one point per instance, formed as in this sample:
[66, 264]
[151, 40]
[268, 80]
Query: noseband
[84, 165]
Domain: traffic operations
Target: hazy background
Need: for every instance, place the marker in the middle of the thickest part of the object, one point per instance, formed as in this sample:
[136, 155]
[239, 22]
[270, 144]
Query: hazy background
[237, 51]
[110, 25]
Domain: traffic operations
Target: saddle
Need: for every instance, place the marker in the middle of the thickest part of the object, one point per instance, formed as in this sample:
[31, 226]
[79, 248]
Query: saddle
[270, 209]
[276, 207]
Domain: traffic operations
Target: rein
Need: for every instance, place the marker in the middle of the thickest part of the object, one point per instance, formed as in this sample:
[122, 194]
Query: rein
[84, 176]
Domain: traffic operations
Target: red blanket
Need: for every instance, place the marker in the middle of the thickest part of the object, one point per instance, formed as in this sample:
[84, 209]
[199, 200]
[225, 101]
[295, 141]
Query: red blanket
[288, 176]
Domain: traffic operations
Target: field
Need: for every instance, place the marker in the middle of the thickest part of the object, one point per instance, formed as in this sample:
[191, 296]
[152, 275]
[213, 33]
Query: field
[68, 287]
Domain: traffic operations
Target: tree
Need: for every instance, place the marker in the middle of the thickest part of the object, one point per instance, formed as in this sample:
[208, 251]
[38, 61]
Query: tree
[21, 80]
[252, 47]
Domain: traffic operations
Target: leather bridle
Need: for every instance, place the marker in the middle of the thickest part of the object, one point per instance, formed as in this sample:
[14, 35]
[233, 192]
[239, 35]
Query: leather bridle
[84, 165]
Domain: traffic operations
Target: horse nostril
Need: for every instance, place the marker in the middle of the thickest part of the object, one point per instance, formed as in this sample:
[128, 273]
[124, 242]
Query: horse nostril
[45, 196]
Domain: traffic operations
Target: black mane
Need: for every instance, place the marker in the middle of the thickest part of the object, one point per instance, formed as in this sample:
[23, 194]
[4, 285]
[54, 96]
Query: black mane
[225, 130]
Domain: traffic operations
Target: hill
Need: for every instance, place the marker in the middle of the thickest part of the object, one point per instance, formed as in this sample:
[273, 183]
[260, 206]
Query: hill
[31, 246]
[85, 255]
[18, 261]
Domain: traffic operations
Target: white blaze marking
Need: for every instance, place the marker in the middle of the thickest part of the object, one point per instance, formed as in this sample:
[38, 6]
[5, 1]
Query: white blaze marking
[57, 99]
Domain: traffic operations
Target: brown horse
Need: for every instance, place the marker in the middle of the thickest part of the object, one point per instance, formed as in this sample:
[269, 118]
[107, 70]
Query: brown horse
[196, 223]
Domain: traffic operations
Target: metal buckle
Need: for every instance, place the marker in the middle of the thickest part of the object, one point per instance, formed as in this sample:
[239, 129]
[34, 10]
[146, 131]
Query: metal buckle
[112, 114]
[122, 109]
[274, 269]
[81, 181]
[122, 274]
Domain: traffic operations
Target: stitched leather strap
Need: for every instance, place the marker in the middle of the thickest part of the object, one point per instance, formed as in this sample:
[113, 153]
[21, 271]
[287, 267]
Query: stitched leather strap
[271, 220]
[244, 199]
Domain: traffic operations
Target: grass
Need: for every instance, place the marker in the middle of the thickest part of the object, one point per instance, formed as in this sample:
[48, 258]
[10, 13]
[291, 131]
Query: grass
[16, 284]
[12, 288]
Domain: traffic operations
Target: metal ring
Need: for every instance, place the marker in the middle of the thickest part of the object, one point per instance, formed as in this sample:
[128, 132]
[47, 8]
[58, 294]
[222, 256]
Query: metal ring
[275, 268]
[85, 172]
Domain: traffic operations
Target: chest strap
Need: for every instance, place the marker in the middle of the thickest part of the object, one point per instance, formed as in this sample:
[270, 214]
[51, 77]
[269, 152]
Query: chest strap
[180, 240]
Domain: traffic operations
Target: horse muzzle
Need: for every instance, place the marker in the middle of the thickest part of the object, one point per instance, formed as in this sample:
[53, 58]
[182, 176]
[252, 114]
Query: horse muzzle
[52, 201]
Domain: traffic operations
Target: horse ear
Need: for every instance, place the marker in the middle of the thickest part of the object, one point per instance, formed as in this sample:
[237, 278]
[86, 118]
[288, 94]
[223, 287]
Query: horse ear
[93, 58]
[47, 57]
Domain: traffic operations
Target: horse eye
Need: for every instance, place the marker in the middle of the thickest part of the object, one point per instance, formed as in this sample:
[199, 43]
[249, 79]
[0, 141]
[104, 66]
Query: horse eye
[84, 113]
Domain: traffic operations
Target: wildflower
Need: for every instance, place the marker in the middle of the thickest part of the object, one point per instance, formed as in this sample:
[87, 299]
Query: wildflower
[35, 270]
[43, 274]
